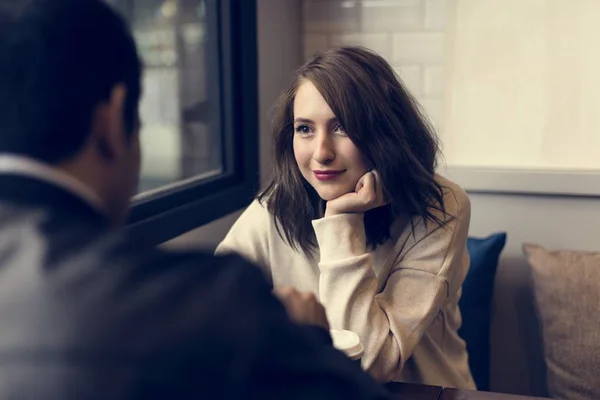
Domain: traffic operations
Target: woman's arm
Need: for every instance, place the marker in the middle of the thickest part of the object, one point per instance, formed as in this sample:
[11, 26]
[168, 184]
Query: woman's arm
[248, 237]
[390, 323]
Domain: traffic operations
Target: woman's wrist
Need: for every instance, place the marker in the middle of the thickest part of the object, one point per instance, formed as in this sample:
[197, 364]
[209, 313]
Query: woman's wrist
[331, 212]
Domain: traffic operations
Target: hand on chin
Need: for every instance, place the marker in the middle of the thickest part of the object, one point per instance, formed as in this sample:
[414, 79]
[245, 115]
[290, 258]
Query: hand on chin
[367, 194]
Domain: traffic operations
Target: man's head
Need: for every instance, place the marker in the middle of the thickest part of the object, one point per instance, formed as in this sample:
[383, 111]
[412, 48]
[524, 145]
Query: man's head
[70, 81]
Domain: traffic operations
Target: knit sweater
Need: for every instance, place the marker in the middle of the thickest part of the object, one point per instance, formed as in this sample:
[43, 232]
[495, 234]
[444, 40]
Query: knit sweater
[401, 299]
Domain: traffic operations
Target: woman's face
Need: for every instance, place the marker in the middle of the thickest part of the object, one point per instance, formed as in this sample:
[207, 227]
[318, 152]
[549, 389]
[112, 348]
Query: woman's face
[326, 156]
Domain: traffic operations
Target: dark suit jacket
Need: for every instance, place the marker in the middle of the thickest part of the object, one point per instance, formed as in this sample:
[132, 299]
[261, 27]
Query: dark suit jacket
[85, 313]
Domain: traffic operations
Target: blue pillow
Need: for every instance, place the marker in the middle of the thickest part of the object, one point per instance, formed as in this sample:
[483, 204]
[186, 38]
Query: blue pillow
[476, 303]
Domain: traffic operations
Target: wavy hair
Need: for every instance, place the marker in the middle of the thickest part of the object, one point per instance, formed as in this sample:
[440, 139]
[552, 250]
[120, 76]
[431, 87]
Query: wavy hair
[384, 122]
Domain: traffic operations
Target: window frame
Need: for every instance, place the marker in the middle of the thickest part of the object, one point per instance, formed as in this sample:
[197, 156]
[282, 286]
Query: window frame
[159, 215]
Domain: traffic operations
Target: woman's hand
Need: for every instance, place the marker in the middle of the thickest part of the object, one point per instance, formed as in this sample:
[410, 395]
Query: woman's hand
[368, 194]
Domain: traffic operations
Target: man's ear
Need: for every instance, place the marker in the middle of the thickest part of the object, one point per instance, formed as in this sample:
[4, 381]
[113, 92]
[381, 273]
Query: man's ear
[108, 125]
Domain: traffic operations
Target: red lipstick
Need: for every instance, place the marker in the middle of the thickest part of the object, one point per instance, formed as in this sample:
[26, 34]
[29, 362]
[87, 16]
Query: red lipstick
[327, 174]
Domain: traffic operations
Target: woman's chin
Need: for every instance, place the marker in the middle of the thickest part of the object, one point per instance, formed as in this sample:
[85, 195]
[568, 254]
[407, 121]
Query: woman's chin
[328, 194]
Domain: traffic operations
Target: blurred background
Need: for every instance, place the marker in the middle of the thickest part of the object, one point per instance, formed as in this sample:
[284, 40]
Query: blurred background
[177, 107]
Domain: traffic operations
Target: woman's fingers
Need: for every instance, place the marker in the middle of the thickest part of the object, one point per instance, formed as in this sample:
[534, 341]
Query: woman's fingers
[368, 194]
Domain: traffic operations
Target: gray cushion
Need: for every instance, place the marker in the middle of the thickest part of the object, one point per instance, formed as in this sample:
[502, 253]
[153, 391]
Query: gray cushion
[567, 294]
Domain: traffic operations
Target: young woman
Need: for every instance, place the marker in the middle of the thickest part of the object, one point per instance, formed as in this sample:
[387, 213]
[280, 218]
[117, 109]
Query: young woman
[357, 215]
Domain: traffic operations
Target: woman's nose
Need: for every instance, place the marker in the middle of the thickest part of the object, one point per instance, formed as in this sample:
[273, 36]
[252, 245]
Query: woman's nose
[324, 149]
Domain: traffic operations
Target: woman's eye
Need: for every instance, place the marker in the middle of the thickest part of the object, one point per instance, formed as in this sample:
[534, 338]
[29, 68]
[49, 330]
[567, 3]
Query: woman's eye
[339, 129]
[303, 129]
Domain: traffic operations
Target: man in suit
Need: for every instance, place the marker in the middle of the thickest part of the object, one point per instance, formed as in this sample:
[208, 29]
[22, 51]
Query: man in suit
[83, 312]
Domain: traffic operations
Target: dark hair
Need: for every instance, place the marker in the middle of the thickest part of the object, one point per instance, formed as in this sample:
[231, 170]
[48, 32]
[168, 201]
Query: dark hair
[58, 60]
[385, 123]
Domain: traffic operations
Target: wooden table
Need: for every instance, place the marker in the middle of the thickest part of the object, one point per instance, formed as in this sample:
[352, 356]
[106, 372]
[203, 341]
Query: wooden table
[406, 391]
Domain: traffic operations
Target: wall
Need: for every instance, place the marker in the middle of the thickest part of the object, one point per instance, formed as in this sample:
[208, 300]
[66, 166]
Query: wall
[410, 34]
[531, 66]
[279, 49]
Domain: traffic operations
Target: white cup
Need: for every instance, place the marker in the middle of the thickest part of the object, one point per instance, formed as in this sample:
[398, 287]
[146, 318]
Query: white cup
[347, 342]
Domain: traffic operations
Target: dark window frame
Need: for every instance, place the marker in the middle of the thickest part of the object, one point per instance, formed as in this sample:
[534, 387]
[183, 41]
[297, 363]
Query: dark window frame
[163, 214]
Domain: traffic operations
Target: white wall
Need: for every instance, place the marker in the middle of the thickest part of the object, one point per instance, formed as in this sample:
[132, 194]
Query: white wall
[522, 84]
[410, 34]
[279, 49]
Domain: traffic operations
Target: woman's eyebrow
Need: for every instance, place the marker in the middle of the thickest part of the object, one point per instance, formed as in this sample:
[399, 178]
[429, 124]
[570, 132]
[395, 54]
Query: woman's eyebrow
[304, 120]
[310, 121]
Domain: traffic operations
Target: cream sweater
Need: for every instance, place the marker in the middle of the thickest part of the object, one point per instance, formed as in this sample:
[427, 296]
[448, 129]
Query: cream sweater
[401, 299]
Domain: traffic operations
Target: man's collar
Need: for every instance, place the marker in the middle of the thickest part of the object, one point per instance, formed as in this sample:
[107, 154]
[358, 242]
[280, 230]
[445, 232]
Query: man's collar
[11, 164]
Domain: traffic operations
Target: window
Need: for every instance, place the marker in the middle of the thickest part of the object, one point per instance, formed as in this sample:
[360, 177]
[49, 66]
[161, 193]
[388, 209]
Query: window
[199, 112]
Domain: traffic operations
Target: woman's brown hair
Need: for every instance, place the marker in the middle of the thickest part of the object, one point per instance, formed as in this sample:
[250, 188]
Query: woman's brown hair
[383, 121]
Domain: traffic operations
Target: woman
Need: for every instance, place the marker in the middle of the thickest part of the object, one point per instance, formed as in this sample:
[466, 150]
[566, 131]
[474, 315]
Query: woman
[357, 215]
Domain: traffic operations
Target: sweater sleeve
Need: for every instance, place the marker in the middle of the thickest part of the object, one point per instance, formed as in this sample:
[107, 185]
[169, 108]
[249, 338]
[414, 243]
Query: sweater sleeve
[390, 323]
[248, 237]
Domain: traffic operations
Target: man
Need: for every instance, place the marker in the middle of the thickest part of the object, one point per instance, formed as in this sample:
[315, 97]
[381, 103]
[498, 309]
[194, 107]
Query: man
[83, 312]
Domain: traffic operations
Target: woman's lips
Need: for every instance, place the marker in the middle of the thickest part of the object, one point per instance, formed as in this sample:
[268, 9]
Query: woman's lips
[328, 174]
